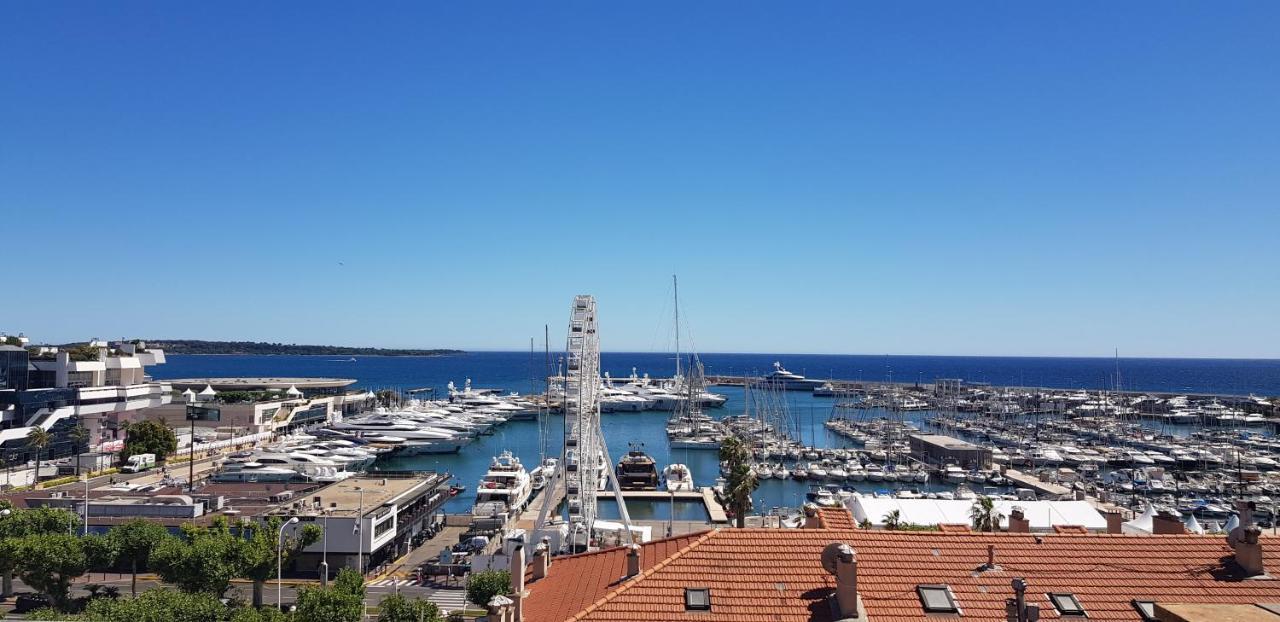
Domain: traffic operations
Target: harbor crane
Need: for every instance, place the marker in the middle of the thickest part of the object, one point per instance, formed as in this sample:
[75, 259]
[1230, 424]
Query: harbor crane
[586, 468]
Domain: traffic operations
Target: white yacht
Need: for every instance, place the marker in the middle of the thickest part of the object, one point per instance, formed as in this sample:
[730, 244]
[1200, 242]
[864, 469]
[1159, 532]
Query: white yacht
[504, 490]
[254, 472]
[780, 378]
[544, 473]
[306, 466]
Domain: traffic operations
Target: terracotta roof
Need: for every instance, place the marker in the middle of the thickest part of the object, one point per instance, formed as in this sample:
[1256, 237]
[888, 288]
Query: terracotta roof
[587, 577]
[835, 518]
[954, 528]
[775, 574]
[1069, 529]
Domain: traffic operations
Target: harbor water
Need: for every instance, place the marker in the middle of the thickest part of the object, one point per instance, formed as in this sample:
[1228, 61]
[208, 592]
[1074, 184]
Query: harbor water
[530, 440]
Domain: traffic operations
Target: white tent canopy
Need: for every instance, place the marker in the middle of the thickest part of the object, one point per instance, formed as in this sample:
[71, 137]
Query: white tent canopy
[1141, 525]
[1043, 515]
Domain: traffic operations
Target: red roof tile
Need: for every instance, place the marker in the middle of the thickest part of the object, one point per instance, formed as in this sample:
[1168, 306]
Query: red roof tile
[1078, 529]
[835, 518]
[954, 528]
[775, 574]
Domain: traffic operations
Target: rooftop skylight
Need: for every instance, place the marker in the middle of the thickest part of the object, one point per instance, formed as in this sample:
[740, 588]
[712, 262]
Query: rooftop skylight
[937, 599]
[1067, 604]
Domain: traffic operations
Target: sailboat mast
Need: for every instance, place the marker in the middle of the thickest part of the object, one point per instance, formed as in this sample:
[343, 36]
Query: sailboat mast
[675, 287]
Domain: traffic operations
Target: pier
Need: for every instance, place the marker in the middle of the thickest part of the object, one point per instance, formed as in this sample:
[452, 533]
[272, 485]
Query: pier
[715, 512]
[1024, 480]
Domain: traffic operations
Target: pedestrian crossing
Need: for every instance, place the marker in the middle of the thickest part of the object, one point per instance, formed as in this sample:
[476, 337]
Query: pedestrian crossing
[448, 599]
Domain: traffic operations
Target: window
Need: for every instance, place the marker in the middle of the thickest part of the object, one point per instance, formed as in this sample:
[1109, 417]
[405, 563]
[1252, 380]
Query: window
[1146, 609]
[697, 599]
[1066, 604]
[937, 599]
[382, 527]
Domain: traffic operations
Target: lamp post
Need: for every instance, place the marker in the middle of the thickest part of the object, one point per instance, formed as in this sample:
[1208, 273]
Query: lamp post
[359, 535]
[324, 554]
[280, 564]
[6, 587]
[86, 504]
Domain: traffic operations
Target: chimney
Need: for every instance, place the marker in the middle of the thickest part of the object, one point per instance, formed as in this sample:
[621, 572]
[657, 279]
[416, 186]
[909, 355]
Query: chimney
[633, 560]
[1245, 510]
[1114, 521]
[517, 583]
[1167, 523]
[847, 581]
[541, 558]
[1018, 522]
[1244, 540]
[991, 558]
[810, 516]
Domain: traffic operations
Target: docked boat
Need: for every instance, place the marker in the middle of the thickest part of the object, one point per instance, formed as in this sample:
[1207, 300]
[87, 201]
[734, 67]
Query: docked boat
[542, 475]
[255, 472]
[504, 490]
[678, 478]
[637, 471]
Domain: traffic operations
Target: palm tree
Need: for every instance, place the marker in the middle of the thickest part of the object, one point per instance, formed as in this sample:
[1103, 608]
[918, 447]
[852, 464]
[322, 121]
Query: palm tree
[984, 514]
[893, 520]
[740, 480]
[38, 438]
[79, 435]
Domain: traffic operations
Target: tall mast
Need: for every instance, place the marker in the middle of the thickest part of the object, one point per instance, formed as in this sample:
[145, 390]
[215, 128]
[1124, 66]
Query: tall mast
[675, 286]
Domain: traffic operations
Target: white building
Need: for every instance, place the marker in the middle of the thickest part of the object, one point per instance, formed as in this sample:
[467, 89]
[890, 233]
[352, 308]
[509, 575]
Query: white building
[86, 382]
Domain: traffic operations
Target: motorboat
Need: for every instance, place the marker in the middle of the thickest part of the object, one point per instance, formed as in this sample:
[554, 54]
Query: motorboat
[504, 490]
[678, 478]
[637, 471]
[785, 380]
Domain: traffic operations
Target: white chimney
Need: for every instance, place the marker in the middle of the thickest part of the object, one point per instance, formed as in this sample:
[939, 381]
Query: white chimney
[541, 558]
[517, 583]
[847, 581]
[633, 560]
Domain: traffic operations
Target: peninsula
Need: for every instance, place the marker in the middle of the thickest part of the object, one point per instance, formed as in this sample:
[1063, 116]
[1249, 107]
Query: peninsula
[198, 346]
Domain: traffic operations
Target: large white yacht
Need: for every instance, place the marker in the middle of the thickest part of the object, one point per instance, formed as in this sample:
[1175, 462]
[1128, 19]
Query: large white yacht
[780, 378]
[308, 467]
[504, 490]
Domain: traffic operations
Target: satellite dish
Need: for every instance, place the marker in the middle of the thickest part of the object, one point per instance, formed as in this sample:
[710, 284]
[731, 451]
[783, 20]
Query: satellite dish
[832, 552]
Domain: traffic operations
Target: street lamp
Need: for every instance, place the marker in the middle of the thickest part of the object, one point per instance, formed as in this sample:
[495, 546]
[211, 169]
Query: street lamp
[6, 589]
[280, 564]
[324, 554]
[360, 536]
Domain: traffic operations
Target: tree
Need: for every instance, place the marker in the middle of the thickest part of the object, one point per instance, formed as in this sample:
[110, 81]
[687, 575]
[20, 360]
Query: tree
[893, 519]
[157, 606]
[149, 437]
[134, 541]
[79, 436]
[18, 525]
[38, 438]
[984, 514]
[397, 608]
[483, 586]
[741, 480]
[259, 551]
[49, 562]
[12, 341]
[342, 602]
[204, 559]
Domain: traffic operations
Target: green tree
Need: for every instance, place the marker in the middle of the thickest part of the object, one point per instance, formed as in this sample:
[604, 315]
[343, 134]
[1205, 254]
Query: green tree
[157, 606]
[38, 438]
[396, 608]
[259, 555]
[79, 436]
[249, 614]
[12, 341]
[740, 479]
[483, 586]
[342, 602]
[203, 559]
[984, 514]
[893, 519]
[18, 525]
[50, 562]
[135, 540]
[149, 437]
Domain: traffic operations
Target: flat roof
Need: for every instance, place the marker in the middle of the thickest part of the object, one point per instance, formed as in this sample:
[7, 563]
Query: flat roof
[344, 498]
[258, 384]
[947, 442]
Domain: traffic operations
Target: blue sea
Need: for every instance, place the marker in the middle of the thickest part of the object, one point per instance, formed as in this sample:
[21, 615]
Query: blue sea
[515, 371]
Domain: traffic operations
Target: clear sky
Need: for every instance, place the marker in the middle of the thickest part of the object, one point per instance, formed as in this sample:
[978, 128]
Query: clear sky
[1019, 178]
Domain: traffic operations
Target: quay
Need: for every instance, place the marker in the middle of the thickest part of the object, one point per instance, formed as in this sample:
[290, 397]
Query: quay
[715, 511]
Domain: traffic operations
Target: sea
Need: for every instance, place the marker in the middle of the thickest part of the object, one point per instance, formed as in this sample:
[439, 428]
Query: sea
[531, 440]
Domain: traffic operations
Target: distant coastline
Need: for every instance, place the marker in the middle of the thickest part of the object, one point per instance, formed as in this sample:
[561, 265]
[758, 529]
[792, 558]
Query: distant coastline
[197, 346]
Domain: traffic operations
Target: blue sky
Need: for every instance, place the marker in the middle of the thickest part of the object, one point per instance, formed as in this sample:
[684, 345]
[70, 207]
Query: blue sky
[927, 178]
